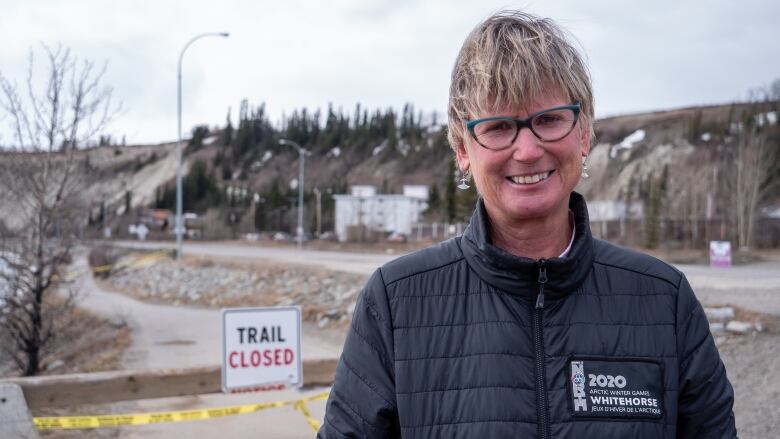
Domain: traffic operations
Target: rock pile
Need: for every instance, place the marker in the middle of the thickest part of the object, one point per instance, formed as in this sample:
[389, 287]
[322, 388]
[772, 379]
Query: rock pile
[722, 321]
[325, 297]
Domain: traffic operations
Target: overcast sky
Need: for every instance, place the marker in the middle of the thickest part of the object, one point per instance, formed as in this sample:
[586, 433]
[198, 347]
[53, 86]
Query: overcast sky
[644, 55]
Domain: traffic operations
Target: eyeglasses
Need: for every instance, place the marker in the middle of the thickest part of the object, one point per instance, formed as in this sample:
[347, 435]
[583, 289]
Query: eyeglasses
[548, 125]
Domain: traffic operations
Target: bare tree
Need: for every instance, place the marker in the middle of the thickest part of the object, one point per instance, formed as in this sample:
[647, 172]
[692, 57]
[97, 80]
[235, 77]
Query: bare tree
[754, 162]
[41, 199]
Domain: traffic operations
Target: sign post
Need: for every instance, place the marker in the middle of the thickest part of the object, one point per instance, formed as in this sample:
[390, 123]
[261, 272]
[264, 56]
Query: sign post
[720, 254]
[261, 347]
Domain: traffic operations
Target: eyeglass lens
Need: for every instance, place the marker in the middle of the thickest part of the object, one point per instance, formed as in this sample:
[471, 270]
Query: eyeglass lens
[548, 126]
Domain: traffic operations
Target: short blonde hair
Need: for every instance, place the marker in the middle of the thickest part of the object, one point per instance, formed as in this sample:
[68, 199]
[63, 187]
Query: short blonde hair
[511, 60]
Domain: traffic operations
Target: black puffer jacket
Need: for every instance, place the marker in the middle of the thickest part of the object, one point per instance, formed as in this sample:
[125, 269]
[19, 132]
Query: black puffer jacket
[454, 342]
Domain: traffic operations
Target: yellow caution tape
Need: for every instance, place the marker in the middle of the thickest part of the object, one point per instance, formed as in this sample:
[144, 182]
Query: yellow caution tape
[301, 406]
[103, 421]
[143, 260]
[137, 262]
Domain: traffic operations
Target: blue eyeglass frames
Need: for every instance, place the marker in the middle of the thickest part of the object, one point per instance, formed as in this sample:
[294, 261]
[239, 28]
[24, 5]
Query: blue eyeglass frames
[548, 125]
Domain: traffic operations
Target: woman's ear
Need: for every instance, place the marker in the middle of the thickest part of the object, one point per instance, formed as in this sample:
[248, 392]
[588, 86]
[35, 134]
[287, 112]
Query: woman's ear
[585, 141]
[462, 156]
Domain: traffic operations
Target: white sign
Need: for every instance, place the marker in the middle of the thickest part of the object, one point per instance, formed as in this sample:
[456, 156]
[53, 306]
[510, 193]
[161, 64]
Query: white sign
[261, 347]
[720, 254]
[141, 231]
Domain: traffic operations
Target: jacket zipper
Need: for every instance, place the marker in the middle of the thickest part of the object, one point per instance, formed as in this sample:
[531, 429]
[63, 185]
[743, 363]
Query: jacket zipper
[542, 411]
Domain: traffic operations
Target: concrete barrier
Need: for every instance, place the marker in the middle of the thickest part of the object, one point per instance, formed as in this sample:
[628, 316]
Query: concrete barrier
[15, 419]
[107, 387]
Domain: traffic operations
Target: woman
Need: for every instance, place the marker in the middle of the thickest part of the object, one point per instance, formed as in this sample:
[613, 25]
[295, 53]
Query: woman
[527, 326]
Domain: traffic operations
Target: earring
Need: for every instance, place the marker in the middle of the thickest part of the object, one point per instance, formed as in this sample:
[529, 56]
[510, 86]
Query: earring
[585, 167]
[464, 180]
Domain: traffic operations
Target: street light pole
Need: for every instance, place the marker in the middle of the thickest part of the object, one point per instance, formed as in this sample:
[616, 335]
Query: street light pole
[318, 212]
[179, 152]
[302, 155]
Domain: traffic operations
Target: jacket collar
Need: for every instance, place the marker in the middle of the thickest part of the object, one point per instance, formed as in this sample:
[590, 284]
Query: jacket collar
[518, 275]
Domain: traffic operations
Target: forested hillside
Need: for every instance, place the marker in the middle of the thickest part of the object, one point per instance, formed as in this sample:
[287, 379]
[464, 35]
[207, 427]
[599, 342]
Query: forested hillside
[230, 164]
[685, 175]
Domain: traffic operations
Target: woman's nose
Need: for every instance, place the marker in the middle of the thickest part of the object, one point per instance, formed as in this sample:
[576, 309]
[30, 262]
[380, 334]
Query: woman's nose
[527, 147]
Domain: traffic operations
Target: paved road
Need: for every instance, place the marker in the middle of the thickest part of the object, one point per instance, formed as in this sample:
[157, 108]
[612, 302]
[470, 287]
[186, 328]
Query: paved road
[755, 287]
[761, 275]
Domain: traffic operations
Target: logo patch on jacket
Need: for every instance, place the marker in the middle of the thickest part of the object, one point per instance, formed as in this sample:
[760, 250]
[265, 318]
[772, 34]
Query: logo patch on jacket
[615, 387]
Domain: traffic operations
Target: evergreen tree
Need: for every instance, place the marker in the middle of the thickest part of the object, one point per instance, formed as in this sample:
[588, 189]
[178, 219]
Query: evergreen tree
[434, 199]
[260, 223]
[128, 201]
[694, 127]
[227, 134]
[199, 189]
[199, 133]
[652, 191]
[227, 171]
[254, 134]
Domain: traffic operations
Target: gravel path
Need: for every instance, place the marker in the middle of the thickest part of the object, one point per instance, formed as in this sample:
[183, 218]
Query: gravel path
[166, 336]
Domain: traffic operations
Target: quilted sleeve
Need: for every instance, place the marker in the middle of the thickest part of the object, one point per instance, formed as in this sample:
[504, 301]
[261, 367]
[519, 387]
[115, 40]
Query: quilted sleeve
[362, 400]
[706, 397]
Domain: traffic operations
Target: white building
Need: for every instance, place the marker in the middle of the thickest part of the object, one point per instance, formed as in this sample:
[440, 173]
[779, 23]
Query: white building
[385, 212]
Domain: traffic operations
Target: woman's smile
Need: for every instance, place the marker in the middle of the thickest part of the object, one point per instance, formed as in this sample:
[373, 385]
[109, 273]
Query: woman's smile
[529, 179]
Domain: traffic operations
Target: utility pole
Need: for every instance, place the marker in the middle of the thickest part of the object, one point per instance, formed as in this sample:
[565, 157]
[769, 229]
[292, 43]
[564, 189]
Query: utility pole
[301, 155]
[318, 212]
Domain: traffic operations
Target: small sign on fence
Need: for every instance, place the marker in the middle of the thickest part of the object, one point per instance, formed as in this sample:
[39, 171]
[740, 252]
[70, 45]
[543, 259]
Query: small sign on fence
[720, 254]
[261, 347]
